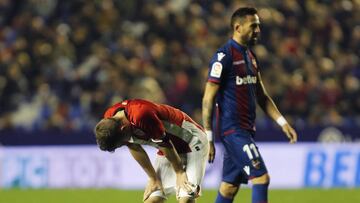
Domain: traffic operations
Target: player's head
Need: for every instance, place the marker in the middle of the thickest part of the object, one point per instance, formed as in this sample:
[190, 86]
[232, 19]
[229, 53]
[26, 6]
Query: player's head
[245, 24]
[109, 135]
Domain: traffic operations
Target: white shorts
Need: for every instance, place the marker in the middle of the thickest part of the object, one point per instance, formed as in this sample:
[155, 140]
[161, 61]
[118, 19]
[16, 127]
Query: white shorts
[194, 163]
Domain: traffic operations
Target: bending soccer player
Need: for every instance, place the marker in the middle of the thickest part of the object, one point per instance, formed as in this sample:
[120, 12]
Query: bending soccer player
[183, 147]
[234, 87]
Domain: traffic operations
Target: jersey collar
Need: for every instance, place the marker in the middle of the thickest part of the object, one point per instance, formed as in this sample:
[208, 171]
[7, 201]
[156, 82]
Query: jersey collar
[238, 46]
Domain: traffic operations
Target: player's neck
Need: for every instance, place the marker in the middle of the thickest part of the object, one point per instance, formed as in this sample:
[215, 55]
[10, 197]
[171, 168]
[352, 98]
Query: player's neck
[239, 41]
[121, 115]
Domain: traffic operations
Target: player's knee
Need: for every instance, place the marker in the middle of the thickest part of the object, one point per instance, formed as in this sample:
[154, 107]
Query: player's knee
[264, 179]
[228, 190]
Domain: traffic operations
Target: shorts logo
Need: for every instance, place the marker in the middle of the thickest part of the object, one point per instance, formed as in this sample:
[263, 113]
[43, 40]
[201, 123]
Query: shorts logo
[245, 80]
[216, 70]
[247, 170]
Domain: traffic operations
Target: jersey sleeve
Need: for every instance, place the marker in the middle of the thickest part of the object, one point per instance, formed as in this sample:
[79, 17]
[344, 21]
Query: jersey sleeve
[218, 66]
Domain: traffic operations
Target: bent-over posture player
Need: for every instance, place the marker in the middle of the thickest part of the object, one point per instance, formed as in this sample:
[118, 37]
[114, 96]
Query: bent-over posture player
[183, 147]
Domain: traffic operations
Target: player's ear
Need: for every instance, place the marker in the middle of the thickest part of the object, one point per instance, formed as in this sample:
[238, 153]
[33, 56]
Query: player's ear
[237, 27]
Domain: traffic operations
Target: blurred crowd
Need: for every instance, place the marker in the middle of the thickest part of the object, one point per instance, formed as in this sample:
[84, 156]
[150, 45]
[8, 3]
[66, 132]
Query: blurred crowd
[63, 62]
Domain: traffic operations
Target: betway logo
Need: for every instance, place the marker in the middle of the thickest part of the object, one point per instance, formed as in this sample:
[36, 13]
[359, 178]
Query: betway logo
[245, 80]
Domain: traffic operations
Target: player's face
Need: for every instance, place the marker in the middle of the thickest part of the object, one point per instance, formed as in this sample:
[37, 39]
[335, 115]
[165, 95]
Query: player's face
[250, 29]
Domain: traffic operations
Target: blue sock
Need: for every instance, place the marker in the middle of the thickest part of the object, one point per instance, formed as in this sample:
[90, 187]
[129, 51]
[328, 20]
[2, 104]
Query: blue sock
[260, 193]
[222, 199]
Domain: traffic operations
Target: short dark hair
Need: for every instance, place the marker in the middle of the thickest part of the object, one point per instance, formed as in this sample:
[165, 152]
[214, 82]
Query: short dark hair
[106, 132]
[241, 13]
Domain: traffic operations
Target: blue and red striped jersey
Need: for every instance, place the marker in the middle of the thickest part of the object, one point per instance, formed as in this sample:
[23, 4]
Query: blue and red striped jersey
[234, 67]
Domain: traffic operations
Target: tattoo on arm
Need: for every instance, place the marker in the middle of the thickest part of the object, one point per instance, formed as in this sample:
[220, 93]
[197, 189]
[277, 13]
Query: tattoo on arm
[211, 90]
[207, 113]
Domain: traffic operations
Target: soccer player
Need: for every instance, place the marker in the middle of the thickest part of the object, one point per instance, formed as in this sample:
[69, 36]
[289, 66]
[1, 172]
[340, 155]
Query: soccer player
[233, 88]
[183, 147]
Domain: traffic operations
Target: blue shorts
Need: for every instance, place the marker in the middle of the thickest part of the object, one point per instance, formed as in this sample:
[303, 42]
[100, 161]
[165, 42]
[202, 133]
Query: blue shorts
[242, 159]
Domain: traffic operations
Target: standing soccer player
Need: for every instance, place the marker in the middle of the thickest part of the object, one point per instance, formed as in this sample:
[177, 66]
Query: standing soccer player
[183, 147]
[234, 80]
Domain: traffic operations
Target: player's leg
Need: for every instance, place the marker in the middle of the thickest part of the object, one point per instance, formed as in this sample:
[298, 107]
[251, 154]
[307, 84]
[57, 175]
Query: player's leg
[227, 192]
[248, 159]
[195, 168]
[164, 171]
[260, 188]
[231, 179]
[260, 178]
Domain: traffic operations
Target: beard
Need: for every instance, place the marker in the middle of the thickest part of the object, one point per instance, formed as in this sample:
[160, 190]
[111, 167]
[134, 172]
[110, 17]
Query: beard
[253, 40]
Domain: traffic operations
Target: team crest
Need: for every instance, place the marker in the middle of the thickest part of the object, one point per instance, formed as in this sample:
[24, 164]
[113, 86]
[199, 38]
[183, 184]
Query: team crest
[256, 163]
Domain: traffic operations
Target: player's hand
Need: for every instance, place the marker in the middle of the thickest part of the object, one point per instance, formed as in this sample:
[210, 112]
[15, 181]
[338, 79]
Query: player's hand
[212, 151]
[182, 183]
[152, 186]
[290, 133]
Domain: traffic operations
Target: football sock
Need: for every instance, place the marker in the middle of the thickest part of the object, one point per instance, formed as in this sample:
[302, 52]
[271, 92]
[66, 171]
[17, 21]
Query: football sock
[222, 199]
[260, 193]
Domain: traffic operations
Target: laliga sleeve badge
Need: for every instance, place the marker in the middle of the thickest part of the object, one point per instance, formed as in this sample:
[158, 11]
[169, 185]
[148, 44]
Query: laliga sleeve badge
[216, 70]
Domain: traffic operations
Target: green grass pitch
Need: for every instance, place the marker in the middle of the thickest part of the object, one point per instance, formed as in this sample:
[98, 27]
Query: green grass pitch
[130, 196]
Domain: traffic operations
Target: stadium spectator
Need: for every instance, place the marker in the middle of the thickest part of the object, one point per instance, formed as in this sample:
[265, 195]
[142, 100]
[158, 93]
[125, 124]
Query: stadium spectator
[91, 52]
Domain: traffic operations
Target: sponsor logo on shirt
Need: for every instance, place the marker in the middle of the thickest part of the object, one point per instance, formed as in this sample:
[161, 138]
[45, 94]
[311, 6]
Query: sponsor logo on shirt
[216, 70]
[246, 80]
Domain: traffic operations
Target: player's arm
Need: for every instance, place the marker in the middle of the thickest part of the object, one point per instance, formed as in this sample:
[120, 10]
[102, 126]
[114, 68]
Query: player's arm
[142, 158]
[269, 107]
[171, 154]
[208, 101]
[153, 126]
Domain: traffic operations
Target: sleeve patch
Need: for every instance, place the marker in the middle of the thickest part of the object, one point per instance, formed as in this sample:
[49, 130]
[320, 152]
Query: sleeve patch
[216, 70]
